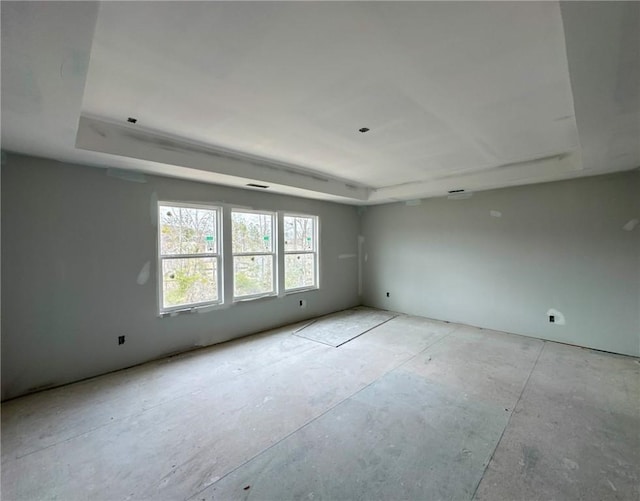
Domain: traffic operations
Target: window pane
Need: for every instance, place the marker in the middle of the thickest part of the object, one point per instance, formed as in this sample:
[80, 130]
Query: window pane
[252, 232]
[252, 275]
[186, 230]
[299, 270]
[298, 233]
[189, 281]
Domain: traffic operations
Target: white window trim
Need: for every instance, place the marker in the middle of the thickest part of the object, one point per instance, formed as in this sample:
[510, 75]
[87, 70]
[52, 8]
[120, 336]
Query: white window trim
[225, 257]
[218, 256]
[316, 252]
[275, 248]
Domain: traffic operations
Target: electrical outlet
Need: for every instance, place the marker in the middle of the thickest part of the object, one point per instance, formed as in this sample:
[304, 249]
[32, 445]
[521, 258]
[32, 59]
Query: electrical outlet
[303, 303]
[552, 319]
[387, 294]
[120, 339]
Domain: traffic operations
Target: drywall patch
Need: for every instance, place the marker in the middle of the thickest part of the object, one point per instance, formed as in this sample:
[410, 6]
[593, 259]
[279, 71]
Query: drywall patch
[558, 318]
[495, 213]
[143, 276]
[630, 225]
[74, 67]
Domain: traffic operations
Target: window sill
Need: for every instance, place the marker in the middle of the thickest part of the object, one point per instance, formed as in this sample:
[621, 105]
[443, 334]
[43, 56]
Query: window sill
[201, 308]
[204, 308]
[302, 289]
[254, 298]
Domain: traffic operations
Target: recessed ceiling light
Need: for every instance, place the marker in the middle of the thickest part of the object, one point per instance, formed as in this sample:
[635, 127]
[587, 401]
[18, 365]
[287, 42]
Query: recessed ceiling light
[132, 120]
[364, 129]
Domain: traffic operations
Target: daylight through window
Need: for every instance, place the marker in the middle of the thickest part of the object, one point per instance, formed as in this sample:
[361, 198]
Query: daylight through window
[300, 252]
[254, 253]
[189, 255]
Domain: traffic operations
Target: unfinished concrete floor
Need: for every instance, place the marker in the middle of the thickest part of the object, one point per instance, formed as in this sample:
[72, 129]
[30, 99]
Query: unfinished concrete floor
[413, 409]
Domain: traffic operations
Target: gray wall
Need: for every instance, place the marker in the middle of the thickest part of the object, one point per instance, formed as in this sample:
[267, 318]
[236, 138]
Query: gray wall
[557, 245]
[73, 243]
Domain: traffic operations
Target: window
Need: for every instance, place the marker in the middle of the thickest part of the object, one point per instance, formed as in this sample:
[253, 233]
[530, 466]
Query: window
[300, 252]
[254, 256]
[264, 252]
[189, 241]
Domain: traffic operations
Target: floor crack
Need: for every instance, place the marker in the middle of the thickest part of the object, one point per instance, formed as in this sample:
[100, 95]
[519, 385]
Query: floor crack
[524, 387]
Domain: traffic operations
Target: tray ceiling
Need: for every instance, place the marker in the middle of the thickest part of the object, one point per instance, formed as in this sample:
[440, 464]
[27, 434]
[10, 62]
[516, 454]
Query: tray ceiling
[455, 95]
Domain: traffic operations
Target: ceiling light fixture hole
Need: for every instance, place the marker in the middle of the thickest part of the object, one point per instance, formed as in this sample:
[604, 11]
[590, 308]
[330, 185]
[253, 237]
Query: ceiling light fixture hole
[132, 120]
[364, 129]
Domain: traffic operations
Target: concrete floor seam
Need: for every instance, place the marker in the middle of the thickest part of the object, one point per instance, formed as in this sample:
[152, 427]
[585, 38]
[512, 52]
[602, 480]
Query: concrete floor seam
[368, 330]
[104, 425]
[347, 341]
[402, 363]
[314, 341]
[121, 418]
[411, 357]
[524, 386]
[413, 410]
[295, 431]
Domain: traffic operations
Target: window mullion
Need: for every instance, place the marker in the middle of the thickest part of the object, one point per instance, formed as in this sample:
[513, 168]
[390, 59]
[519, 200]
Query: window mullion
[227, 256]
[187, 256]
[240, 254]
[280, 247]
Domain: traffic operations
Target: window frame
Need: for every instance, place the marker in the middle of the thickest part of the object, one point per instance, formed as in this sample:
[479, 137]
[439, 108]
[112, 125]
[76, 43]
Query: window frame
[274, 255]
[218, 256]
[315, 252]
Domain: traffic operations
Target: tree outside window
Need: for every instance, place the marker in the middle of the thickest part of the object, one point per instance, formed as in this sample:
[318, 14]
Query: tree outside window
[301, 252]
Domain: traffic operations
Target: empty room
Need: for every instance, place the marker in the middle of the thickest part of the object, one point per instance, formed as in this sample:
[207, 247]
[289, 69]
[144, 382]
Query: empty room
[320, 250]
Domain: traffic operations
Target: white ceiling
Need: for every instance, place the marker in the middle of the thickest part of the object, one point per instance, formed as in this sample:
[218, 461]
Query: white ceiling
[456, 95]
